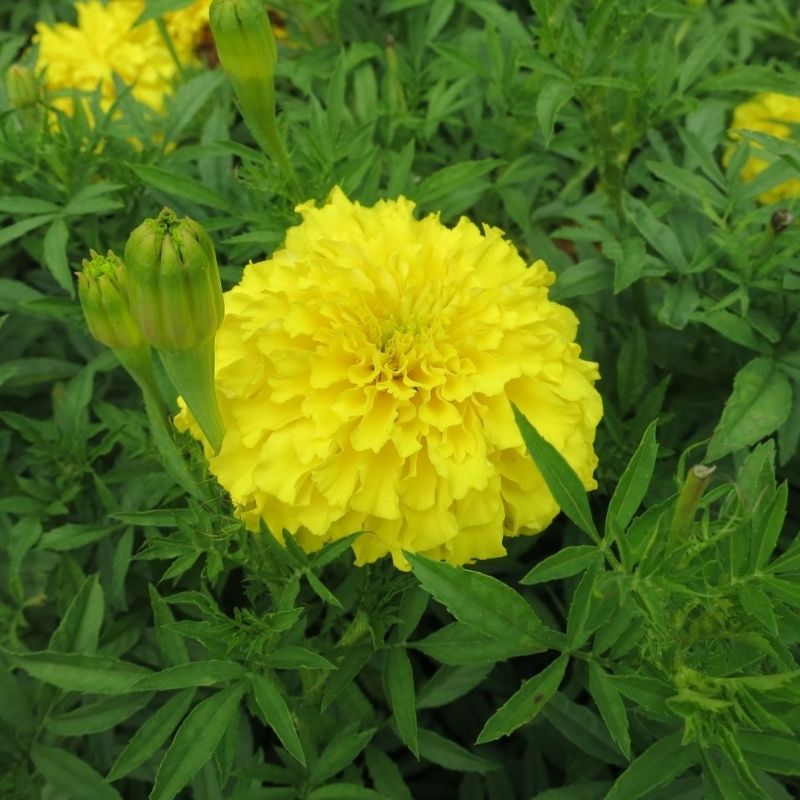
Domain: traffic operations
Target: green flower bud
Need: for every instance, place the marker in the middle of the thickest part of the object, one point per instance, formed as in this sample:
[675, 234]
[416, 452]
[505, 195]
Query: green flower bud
[245, 42]
[247, 51]
[22, 86]
[174, 282]
[103, 292]
[176, 297]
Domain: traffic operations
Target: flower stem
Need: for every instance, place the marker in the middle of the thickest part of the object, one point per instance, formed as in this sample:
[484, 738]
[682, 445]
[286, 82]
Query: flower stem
[192, 374]
[139, 366]
[689, 498]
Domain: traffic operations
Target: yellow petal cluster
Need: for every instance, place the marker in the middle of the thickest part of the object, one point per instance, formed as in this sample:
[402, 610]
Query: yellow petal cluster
[366, 372]
[107, 41]
[777, 115]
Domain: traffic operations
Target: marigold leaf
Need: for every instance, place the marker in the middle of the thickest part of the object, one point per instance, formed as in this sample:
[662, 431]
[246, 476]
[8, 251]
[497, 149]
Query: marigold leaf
[566, 562]
[81, 673]
[526, 702]
[195, 673]
[461, 645]
[564, 484]
[195, 742]
[760, 402]
[342, 751]
[446, 753]
[399, 680]
[277, 715]
[484, 603]
[611, 707]
[152, 734]
[97, 717]
[71, 776]
[79, 629]
[632, 486]
[657, 766]
[549, 102]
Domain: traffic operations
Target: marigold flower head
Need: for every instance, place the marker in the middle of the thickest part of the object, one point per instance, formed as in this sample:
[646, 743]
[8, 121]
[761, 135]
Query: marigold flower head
[777, 115]
[365, 375]
[107, 42]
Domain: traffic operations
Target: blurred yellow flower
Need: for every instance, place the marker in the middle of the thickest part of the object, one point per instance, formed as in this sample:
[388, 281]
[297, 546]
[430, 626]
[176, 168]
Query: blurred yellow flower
[774, 114]
[107, 41]
[365, 374]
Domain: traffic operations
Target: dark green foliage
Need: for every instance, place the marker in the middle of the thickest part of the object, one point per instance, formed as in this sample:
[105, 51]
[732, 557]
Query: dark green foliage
[150, 647]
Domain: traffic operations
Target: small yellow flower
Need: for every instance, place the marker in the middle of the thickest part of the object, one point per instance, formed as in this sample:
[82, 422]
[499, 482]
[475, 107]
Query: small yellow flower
[365, 375]
[107, 42]
[774, 114]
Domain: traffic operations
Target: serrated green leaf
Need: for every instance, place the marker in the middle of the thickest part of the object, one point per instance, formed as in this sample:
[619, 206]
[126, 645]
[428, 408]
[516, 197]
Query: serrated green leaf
[760, 402]
[449, 683]
[438, 750]
[340, 752]
[484, 603]
[97, 717]
[634, 482]
[343, 791]
[578, 628]
[769, 525]
[566, 562]
[770, 751]
[195, 741]
[458, 644]
[81, 673]
[611, 707]
[79, 630]
[176, 185]
[195, 673]
[386, 775]
[171, 643]
[291, 656]
[526, 702]
[583, 728]
[152, 734]
[71, 776]
[554, 94]
[277, 715]
[661, 763]
[561, 480]
[55, 254]
[398, 678]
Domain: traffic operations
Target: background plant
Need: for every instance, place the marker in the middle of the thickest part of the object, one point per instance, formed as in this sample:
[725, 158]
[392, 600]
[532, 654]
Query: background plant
[146, 636]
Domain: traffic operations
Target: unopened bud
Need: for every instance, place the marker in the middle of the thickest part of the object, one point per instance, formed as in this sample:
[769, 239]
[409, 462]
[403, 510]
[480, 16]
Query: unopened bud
[248, 54]
[22, 86]
[103, 292]
[174, 281]
[245, 41]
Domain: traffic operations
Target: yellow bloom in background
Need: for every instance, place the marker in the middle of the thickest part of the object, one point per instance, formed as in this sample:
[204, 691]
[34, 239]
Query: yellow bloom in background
[774, 114]
[107, 41]
[365, 374]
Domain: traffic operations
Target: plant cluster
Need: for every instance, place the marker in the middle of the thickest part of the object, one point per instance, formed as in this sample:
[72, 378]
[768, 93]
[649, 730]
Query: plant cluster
[152, 646]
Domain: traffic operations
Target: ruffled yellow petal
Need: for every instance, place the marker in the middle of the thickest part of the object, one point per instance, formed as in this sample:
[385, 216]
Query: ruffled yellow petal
[366, 374]
[777, 115]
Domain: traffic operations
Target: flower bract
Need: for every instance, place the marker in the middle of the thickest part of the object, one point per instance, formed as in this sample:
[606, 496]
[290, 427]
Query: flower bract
[365, 375]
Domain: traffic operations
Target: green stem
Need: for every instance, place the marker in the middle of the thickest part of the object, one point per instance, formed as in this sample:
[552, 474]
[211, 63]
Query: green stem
[689, 498]
[139, 366]
[192, 374]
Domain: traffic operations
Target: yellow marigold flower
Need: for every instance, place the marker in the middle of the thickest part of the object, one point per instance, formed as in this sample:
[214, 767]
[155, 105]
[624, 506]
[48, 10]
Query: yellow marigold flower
[185, 27]
[365, 375]
[107, 41]
[774, 114]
